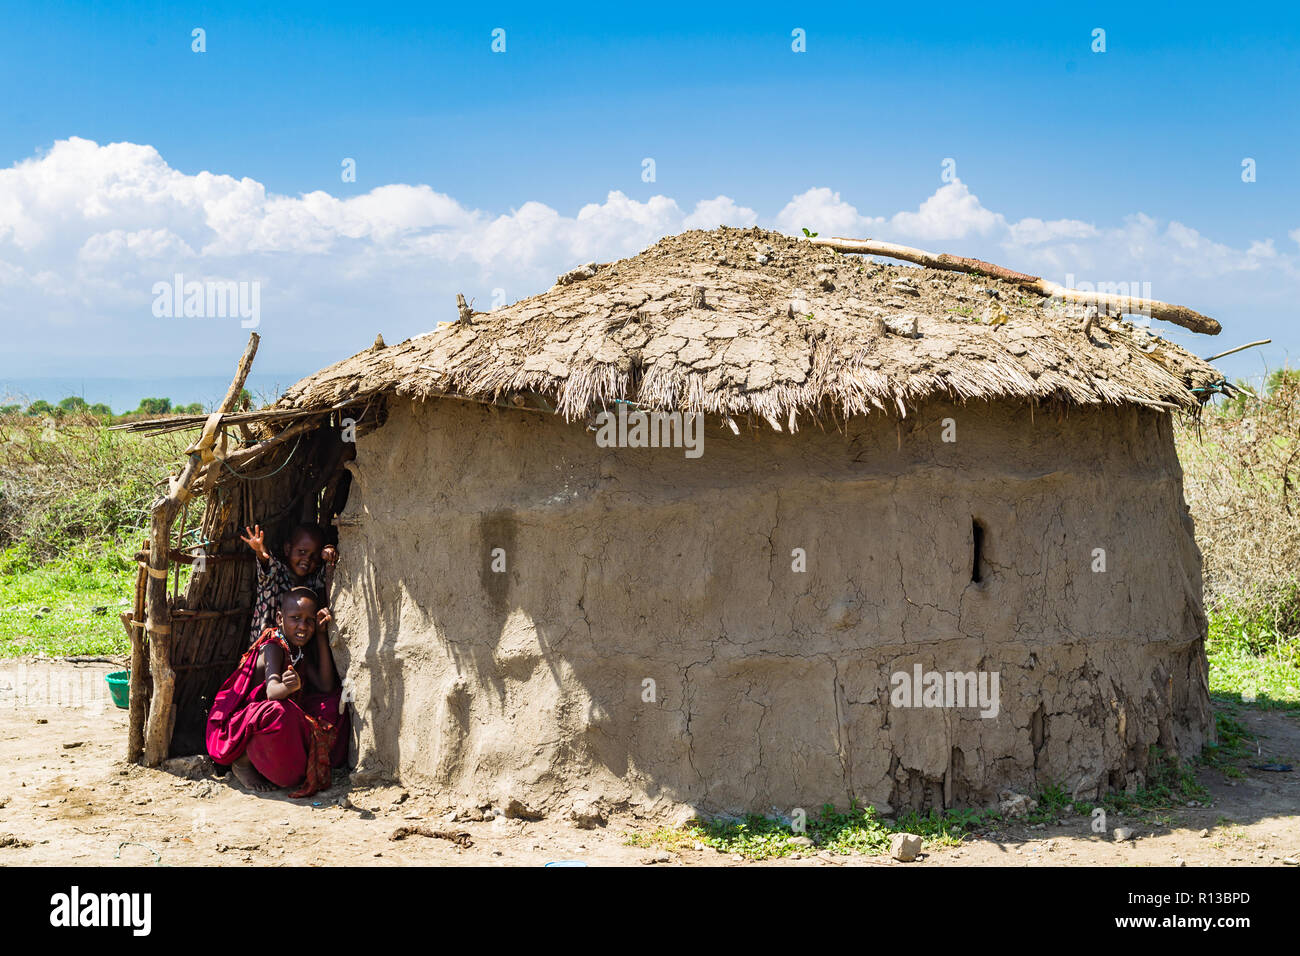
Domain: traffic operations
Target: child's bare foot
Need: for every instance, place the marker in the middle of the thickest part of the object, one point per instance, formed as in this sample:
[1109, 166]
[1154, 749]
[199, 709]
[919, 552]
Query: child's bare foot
[247, 774]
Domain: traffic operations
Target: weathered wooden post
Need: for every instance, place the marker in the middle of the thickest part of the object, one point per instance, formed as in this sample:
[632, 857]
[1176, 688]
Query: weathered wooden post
[162, 714]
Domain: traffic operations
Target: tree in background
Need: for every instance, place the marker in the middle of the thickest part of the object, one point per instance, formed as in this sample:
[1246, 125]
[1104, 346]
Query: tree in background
[155, 406]
[73, 405]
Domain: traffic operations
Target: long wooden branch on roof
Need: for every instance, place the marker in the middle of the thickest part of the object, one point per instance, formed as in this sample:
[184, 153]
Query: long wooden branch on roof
[181, 422]
[1177, 314]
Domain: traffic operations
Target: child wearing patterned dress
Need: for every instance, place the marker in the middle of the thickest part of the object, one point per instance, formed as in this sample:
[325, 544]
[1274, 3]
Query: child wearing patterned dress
[306, 560]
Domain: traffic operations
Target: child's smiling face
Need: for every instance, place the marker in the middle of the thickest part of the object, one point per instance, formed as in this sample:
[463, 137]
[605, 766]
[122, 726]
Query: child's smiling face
[302, 554]
[297, 618]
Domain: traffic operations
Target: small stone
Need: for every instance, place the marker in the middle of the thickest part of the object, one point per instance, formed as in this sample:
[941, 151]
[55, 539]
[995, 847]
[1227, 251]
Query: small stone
[518, 810]
[4, 801]
[1123, 833]
[587, 816]
[1291, 861]
[193, 767]
[496, 853]
[905, 325]
[42, 720]
[43, 610]
[1205, 833]
[801, 841]
[905, 847]
[761, 260]
[1192, 803]
[1179, 861]
[1012, 804]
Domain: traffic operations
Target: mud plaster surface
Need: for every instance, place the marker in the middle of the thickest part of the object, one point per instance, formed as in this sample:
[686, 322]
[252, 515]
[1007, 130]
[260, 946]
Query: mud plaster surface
[771, 688]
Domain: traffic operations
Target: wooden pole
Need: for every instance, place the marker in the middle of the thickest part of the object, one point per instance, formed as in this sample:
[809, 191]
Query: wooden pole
[1165, 311]
[139, 700]
[1239, 348]
[162, 716]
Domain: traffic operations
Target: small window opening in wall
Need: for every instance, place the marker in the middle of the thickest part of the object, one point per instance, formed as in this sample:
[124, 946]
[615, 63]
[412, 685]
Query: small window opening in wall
[977, 559]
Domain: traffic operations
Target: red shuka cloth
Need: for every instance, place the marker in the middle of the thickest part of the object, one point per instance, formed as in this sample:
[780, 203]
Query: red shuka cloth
[288, 741]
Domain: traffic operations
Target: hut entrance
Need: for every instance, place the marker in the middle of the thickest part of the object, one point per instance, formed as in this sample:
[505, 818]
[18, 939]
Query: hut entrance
[194, 594]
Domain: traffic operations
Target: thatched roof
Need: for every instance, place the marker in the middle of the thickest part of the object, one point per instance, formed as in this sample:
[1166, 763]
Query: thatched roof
[746, 323]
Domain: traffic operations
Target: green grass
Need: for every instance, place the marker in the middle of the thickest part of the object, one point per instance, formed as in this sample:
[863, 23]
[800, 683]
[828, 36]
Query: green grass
[98, 574]
[1233, 743]
[858, 830]
[1248, 656]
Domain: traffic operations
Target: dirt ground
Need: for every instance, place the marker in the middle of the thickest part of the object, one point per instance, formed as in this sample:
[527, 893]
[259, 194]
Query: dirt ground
[68, 798]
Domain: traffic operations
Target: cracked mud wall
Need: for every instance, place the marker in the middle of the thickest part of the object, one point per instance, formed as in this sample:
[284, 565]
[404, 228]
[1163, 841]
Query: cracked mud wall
[771, 688]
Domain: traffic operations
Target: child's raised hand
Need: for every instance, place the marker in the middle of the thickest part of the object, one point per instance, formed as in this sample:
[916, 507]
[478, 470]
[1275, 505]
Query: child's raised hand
[329, 554]
[291, 681]
[255, 538]
[323, 617]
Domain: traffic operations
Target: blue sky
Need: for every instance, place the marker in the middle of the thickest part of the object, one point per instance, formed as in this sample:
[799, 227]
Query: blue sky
[1040, 128]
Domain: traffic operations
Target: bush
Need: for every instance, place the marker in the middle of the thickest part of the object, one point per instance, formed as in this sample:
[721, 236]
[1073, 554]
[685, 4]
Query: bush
[68, 481]
[1241, 466]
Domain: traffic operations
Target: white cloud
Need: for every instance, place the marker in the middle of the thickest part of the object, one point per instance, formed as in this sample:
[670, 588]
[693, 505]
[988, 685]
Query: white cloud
[721, 211]
[822, 211]
[1032, 231]
[953, 212]
[86, 230]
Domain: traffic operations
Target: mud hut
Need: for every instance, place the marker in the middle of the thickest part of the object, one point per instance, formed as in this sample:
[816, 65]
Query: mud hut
[934, 546]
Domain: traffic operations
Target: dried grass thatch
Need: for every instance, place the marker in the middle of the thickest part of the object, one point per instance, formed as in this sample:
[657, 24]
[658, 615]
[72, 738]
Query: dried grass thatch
[745, 323]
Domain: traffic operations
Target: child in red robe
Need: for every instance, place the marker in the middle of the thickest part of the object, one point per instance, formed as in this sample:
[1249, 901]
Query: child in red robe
[277, 720]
